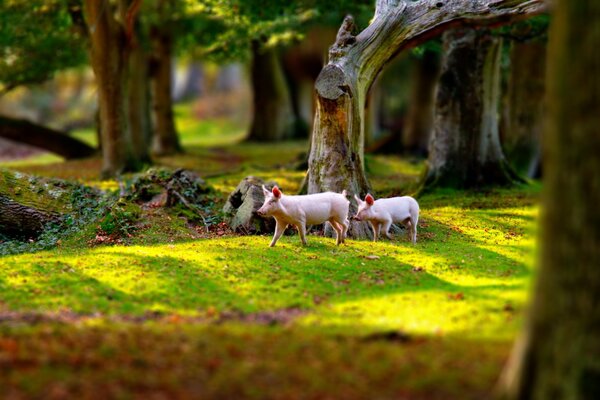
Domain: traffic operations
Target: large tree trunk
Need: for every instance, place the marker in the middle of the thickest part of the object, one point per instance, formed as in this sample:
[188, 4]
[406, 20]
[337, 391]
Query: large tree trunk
[523, 111]
[139, 104]
[465, 149]
[272, 115]
[166, 140]
[109, 62]
[419, 117]
[337, 146]
[56, 142]
[558, 356]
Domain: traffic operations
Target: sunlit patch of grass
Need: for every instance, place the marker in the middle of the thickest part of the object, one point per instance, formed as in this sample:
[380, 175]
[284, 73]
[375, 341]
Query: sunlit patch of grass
[467, 275]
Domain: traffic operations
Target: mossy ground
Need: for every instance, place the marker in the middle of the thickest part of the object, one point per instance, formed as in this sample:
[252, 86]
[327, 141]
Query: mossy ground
[172, 314]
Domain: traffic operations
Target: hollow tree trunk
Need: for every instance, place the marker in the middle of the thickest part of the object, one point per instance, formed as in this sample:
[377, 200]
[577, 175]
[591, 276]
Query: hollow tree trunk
[465, 149]
[139, 104]
[109, 62]
[558, 355]
[56, 142]
[419, 117]
[272, 115]
[166, 140]
[523, 112]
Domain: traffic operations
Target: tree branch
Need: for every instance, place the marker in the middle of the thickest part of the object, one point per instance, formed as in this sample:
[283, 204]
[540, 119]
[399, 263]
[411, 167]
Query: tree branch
[398, 26]
[23, 131]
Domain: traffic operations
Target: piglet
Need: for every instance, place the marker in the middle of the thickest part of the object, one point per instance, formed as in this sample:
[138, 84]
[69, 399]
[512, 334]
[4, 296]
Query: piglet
[383, 212]
[310, 209]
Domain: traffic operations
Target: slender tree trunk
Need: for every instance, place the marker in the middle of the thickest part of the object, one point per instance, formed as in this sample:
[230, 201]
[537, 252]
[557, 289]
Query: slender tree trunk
[109, 62]
[272, 116]
[419, 118]
[337, 146]
[166, 140]
[523, 111]
[139, 104]
[558, 356]
[465, 149]
[45, 138]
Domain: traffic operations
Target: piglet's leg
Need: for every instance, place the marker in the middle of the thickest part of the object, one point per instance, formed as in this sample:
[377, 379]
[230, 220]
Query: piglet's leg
[338, 231]
[386, 229]
[376, 228]
[302, 231]
[279, 229]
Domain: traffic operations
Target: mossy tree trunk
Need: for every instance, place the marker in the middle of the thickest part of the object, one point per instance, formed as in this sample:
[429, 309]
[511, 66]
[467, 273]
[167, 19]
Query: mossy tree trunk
[272, 115]
[18, 220]
[419, 117]
[523, 111]
[465, 149]
[558, 356]
[108, 54]
[336, 160]
[166, 139]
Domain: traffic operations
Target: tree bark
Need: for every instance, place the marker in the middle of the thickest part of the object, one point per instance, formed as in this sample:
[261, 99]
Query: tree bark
[139, 104]
[420, 115]
[272, 115]
[18, 220]
[166, 139]
[523, 111]
[56, 142]
[337, 146]
[109, 61]
[465, 149]
[559, 352]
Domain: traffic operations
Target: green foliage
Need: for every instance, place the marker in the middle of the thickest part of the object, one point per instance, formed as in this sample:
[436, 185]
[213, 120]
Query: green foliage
[226, 28]
[36, 40]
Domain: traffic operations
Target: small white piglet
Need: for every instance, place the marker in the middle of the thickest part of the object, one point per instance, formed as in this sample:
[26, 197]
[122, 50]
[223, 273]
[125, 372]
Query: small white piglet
[310, 209]
[383, 212]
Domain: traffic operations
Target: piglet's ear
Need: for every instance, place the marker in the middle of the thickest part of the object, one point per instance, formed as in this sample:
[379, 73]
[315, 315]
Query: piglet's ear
[276, 192]
[358, 200]
[265, 190]
[369, 199]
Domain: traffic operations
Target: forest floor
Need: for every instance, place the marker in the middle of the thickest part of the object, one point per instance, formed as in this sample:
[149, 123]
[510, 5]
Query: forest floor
[174, 313]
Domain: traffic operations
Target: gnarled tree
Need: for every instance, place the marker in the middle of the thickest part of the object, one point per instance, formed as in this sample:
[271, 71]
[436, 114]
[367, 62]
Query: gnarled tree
[336, 159]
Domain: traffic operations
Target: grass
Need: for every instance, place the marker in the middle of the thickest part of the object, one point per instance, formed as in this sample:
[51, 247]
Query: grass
[175, 316]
